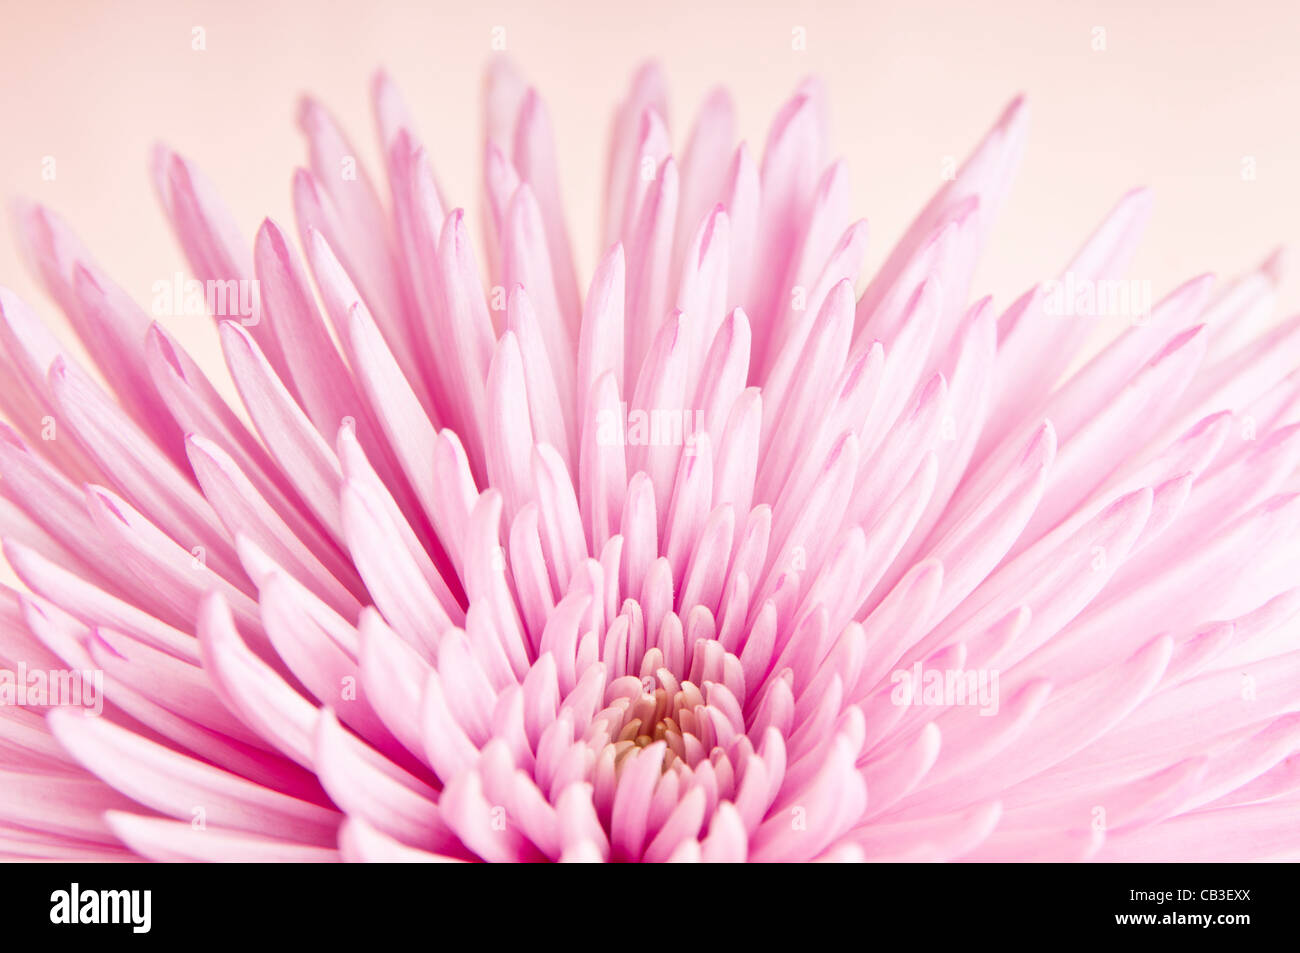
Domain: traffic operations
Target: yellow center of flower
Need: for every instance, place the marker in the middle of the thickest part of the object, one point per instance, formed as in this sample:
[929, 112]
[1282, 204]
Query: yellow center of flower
[666, 710]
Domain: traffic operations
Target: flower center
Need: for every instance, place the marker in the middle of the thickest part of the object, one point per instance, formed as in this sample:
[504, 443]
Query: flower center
[660, 706]
[666, 711]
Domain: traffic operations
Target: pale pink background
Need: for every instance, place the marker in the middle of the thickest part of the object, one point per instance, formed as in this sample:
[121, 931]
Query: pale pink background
[1180, 95]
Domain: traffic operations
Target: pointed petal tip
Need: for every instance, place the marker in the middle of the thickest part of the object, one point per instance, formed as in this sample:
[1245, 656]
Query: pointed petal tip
[1015, 115]
[20, 208]
[1282, 501]
[929, 570]
[1275, 265]
[161, 154]
[649, 69]
[307, 112]
[1129, 505]
[58, 370]
[1042, 446]
[1193, 334]
[1137, 201]
[303, 179]
[270, 239]
[501, 67]
[616, 257]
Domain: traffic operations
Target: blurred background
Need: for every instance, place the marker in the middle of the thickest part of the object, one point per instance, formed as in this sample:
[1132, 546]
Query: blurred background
[1190, 99]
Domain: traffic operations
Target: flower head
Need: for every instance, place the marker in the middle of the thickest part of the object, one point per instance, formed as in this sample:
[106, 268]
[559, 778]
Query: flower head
[717, 561]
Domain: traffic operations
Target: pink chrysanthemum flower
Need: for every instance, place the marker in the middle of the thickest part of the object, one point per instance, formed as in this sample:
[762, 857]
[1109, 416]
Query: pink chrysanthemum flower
[719, 562]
